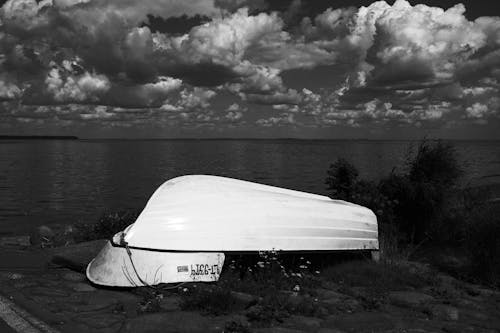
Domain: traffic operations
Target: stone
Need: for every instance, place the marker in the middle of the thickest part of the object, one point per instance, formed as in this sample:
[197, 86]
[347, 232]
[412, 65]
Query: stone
[100, 320]
[409, 298]
[16, 276]
[82, 287]
[15, 241]
[303, 323]
[329, 330]
[360, 322]
[74, 277]
[475, 315]
[85, 306]
[277, 330]
[345, 304]
[459, 328]
[325, 294]
[77, 256]
[172, 322]
[244, 298]
[485, 291]
[351, 305]
[49, 292]
[24, 284]
[236, 319]
[295, 299]
[170, 303]
[445, 312]
[42, 236]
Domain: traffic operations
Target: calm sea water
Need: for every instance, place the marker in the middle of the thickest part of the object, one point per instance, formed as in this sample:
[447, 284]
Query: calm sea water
[70, 182]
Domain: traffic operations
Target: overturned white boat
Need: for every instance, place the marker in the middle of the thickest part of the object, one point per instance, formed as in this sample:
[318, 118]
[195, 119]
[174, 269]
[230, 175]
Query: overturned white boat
[191, 221]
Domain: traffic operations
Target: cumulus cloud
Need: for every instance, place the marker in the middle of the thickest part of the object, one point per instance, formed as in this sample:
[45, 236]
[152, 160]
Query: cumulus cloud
[153, 94]
[478, 111]
[234, 115]
[9, 90]
[86, 87]
[190, 99]
[284, 119]
[378, 64]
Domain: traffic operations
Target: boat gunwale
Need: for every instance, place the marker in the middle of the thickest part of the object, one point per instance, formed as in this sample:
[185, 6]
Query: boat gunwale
[248, 251]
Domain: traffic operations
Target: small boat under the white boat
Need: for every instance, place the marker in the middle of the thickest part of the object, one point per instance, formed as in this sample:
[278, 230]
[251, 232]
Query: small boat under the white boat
[191, 221]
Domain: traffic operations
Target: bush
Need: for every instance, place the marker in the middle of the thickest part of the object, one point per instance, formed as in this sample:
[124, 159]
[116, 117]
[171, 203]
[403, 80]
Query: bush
[108, 225]
[416, 201]
[435, 163]
[432, 178]
[423, 204]
[342, 179]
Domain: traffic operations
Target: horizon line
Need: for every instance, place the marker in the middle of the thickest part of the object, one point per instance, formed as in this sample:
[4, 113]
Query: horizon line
[73, 137]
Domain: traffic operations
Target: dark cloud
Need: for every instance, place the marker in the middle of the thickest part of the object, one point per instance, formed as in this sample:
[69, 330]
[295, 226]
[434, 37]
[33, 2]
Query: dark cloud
[174, 25]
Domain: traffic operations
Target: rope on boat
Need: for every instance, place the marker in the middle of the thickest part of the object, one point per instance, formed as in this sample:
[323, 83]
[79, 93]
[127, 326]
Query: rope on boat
[129, 253]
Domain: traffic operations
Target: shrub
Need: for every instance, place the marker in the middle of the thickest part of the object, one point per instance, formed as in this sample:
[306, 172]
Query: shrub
[107, 226]
[424, 204]
[416, 201]
[433, 174]
[435, 162]
[341, 180]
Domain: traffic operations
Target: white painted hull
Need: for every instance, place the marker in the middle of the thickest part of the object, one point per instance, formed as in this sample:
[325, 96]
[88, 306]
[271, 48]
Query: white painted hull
[207, 213]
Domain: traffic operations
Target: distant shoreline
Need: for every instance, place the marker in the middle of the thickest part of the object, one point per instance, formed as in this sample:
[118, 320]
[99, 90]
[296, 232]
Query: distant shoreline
[70, 137]
[38, 137]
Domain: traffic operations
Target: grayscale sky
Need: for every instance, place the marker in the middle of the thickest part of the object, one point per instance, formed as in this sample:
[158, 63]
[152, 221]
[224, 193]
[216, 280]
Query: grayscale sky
[243, 68]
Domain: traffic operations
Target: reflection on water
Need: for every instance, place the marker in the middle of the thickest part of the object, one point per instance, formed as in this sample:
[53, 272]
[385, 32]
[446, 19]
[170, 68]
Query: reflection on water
[44, 182]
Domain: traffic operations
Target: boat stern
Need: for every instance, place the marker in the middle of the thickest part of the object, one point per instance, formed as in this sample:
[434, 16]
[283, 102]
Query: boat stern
[119, 266]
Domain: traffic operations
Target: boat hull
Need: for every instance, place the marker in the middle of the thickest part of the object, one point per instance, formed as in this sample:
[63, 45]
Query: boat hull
[191, 221]
[208, 213]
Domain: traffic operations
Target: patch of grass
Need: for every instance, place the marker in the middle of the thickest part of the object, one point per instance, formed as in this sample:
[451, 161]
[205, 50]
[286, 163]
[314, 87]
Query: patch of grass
[150, 304]
[236, 327]
[483, 245]
[257, 274]
[381, 277]
[271, 309]
[209, 299]
[277, 305]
